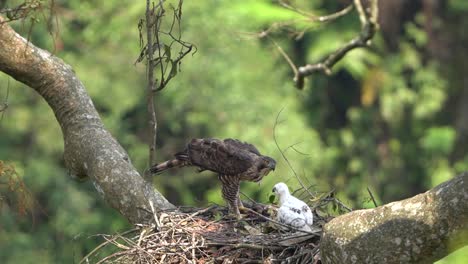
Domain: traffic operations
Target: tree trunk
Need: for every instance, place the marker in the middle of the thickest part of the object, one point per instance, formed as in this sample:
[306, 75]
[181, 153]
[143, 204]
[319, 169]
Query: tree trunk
[421, 229]
[90, 150]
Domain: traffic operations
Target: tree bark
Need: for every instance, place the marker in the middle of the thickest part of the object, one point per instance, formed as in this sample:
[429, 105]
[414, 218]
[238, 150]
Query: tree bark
[421, 229]
[90, 150]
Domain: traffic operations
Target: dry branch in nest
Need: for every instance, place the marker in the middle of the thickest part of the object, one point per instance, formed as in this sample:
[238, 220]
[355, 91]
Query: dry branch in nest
[197, 236]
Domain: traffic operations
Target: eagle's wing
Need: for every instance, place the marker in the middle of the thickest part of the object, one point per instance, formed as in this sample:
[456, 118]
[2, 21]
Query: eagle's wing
[219, 156]
[242, 145]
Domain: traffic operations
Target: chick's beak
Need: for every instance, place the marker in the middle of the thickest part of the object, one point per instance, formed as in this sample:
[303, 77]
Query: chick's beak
[274, 189]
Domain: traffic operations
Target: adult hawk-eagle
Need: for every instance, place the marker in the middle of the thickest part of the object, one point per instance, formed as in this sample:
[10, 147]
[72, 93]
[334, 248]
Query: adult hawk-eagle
[233, 160]
[292, 211]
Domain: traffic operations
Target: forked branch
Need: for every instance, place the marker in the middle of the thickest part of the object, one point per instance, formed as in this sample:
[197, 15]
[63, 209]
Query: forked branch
[368, 17]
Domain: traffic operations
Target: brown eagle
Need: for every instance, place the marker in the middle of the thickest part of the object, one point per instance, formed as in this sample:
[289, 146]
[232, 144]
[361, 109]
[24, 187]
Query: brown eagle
[233, 160]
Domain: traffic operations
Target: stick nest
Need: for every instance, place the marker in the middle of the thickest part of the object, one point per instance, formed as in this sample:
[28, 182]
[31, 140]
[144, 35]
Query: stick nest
[202, 236]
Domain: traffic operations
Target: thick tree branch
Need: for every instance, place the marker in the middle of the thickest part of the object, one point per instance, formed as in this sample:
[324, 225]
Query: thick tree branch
[90, 150]
[368, 18]
[421, 229]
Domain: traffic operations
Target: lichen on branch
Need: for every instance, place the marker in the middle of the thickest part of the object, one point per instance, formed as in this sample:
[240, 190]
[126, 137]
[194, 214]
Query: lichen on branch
[421, 229]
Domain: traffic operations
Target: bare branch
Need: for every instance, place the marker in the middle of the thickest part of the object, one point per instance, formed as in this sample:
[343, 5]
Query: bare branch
[152, 122]
[23, 10]
[372, 197]
[163, 36]
[311, 17]
[307, 18]
[167, 38]
[369, 25]
[286, 57]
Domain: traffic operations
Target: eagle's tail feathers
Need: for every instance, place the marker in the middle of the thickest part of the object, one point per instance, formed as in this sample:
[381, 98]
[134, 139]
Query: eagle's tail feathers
[182, 156]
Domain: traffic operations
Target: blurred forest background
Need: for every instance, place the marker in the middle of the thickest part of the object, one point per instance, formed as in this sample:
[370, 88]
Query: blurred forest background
[391, 117]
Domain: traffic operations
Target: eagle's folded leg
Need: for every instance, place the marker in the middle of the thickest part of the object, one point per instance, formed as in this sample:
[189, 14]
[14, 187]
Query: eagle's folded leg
[230, 191]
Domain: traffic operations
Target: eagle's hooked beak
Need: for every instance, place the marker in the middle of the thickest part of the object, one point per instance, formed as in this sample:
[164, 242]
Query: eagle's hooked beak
[272, 165]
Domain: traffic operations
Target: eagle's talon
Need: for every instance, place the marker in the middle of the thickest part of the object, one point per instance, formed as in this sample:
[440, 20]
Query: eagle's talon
[243, 209]
[232, 216]
[241, 206]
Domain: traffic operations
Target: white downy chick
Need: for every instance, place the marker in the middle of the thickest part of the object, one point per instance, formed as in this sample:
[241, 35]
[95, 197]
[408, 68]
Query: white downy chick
[292, 211]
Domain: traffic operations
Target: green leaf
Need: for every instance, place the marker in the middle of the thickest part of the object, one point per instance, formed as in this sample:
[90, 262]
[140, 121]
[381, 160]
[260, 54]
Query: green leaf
[271, 198]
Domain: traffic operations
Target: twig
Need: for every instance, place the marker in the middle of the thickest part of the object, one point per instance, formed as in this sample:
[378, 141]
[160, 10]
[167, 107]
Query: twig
[342, 205]
[203, 211]
[284, 156]
[303, 191]
[286, 57]
[298, 11]
[244, 245]
[293, 147]
[85, 258]
[155, 215]
[119, 253]
[372, 197]
[250, 199]
[318, 18]
[21, 11]
[335, 15]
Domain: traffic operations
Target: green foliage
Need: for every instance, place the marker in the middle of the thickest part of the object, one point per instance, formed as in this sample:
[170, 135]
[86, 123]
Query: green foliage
[438, 140]
[458, 5]
[261, 11]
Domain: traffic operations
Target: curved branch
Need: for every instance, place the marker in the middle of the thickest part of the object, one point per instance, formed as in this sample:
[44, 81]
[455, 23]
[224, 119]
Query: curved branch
[421, 229]
[368, 18]
[90, 150]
